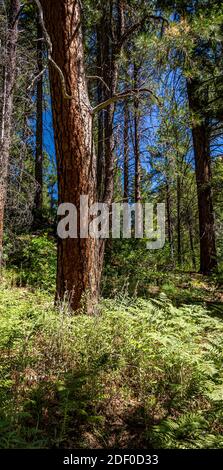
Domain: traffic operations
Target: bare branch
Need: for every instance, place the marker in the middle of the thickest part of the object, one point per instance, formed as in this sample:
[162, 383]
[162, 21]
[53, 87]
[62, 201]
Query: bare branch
[36, 78]
[96, 77]
[18, 15]
[138, 25]
[50, 51]
[122, 96]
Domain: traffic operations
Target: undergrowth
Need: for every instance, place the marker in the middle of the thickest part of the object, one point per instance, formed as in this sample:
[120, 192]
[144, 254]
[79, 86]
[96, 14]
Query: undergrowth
[143, 373]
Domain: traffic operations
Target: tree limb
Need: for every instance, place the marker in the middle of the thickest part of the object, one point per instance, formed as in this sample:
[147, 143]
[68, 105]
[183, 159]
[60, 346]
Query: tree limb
[50, 51]
[138, 25]
[122, 96]
[36, 78]
[18, 14]
[96, 77]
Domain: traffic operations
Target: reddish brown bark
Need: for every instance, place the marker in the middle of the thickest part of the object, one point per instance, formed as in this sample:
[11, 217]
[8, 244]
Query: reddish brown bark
[78, 272]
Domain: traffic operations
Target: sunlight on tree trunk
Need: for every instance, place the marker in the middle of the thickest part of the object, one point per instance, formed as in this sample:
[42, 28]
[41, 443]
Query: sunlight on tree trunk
[78, 273]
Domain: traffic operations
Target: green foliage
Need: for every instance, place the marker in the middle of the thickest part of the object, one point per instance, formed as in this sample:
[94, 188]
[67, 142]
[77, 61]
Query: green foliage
[64, 378]
[154, 363]
[34, 261]
[130, 267]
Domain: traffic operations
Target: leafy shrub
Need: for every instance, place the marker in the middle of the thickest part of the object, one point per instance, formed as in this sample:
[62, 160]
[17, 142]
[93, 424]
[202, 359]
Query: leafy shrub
[35, 262]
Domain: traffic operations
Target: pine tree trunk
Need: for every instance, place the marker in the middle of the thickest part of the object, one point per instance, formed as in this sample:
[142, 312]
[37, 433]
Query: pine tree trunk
[111, 67]
[7, 110]
[101, 42]
[191, 237]
[136, 142]
[78, 271]
[179, 254]
[109, 136]
[169, 220]
[39, 131]
[126, 152]
[201, 140]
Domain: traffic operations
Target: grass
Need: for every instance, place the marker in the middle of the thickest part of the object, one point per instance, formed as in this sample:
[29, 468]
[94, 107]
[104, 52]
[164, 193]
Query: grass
[143, 373]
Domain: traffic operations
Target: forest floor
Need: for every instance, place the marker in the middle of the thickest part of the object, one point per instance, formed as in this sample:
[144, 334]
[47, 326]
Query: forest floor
[143, 373]
[196, 289]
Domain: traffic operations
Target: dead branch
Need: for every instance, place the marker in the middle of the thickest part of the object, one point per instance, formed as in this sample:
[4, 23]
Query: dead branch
[122, 96]
[96, 77]
[50, 51]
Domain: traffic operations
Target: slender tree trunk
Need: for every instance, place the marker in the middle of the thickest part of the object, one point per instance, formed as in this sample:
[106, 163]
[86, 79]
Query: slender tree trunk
[7, 110]
[126, 152]
[191, 237]
[179, 248]
[101, 42]
[111, 77]
[2, 63]
[169, 220]
[136, 142]
[78, 273]
[201, 140]
[109, 138]
[111, 54]
[39, 130]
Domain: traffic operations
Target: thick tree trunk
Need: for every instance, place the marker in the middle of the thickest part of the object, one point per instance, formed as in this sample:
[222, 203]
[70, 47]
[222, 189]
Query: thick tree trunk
[7, 110]
[201, 140]
[39, 130]
[78, 271]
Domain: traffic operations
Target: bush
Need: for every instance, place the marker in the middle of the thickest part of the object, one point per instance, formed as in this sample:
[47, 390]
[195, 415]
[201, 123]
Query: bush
[34, 261]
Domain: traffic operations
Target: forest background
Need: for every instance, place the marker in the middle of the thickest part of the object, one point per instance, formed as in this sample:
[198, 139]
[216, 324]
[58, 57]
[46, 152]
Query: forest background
[104, 343]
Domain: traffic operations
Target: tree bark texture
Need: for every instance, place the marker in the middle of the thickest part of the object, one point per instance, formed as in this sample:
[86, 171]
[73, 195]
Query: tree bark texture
[78, 273]
[201, 141]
